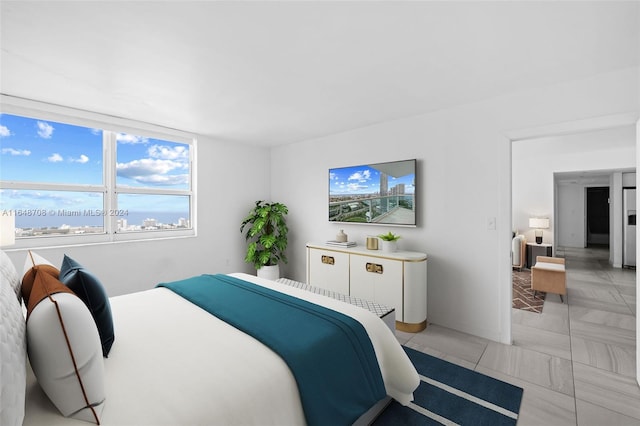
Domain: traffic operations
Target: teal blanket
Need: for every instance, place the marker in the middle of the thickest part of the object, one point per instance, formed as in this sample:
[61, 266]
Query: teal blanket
[329, 353]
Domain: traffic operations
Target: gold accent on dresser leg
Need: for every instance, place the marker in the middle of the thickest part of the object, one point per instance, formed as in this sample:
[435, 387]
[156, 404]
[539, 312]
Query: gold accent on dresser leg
[411, 328]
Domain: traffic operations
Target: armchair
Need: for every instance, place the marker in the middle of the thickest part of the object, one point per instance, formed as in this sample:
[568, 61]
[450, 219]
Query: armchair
[549, 275]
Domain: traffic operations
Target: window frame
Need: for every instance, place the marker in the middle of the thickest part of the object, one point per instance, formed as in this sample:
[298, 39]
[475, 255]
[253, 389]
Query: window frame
[111, 126]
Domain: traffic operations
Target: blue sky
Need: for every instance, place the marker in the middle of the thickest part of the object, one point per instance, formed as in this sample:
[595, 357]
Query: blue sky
[363, 180]
[33, 150]
[43, 151]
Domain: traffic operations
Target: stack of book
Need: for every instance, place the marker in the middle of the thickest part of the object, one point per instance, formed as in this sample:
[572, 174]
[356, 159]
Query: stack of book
[341, 244]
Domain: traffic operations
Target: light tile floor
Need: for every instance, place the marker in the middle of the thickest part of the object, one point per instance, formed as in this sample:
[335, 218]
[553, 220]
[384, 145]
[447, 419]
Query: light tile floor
[575, 361]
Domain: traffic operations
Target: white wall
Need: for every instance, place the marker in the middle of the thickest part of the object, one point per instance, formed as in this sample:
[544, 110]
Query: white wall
[637, 256]
[570, 216]
[534, 163]
[230, 177]
[464, 177]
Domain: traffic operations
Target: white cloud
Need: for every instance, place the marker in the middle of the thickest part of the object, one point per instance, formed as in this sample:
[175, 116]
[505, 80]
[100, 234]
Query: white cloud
[4, 131]
[163, 180]
[41, 199]
[54, 158]
[45, 130]
[180, 152]
[153, 171]
[362, 176]
[82, 159]
[12, 151]
[148, 166]
[132, 139]
[355, 187]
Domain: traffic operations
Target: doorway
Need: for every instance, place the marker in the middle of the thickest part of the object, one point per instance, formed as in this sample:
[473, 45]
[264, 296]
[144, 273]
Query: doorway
[547, 180]
[597, 217]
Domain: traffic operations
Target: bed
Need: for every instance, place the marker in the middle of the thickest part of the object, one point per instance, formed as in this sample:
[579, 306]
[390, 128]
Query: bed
[174, 363]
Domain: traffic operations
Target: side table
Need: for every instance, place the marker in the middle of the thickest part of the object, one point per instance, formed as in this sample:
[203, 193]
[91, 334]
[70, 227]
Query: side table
[534, 250]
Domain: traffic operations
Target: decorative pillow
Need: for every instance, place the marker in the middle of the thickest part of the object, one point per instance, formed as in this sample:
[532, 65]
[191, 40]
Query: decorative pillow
[30, 261]
[13, 344]
[39, 293]
[64, 346]
[88, 288]
[8, 273]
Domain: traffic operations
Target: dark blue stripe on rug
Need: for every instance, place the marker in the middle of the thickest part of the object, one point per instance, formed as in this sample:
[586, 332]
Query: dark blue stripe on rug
[448, 405]
[396, 415]
[487, 388]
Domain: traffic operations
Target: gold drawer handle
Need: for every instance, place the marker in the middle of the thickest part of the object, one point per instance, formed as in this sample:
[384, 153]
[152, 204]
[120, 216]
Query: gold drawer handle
[328, 260]
[374, 267]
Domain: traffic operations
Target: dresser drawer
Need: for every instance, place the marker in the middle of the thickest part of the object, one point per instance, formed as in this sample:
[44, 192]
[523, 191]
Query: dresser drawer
[329, 270]
[378, 280]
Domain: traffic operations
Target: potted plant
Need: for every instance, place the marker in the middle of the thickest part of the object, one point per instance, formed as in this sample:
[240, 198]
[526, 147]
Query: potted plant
[389, 241]
[266, 234]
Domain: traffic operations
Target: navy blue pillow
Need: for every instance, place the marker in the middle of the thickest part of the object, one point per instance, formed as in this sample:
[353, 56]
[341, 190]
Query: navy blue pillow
[88, 288]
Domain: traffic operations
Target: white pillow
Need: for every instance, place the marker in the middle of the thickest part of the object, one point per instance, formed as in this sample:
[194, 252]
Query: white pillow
[71, 372]
[52, 363]
[13, 359]
[8, 273]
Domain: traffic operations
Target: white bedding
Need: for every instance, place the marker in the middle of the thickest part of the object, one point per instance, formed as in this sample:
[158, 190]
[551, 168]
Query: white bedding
[173, 363]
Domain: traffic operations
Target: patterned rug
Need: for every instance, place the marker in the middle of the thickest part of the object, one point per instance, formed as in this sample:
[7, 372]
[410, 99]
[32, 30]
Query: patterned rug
[523, 297]
[449, 394]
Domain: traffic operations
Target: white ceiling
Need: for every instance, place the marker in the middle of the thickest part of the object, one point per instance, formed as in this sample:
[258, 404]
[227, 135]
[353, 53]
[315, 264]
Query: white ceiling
[270, 73]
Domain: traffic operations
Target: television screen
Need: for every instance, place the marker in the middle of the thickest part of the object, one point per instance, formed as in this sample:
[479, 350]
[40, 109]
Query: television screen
[382, 193]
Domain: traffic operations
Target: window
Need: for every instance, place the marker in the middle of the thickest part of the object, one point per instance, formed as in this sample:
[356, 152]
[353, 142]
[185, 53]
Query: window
[67, 182]
[153, 182]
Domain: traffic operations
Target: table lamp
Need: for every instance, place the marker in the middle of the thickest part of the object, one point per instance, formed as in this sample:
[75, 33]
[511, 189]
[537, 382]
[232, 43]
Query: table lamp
[539, 223]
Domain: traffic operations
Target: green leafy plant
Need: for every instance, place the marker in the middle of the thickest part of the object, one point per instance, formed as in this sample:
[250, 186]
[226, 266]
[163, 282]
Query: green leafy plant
[389, 236]
[266, 234]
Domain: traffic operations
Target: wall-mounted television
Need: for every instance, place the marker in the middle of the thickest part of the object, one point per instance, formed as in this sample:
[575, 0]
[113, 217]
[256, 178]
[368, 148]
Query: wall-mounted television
[380, 193]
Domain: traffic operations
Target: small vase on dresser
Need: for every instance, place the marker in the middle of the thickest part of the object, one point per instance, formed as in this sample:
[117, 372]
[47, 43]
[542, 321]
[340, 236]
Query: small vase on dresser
[341, 237]
[389, 246]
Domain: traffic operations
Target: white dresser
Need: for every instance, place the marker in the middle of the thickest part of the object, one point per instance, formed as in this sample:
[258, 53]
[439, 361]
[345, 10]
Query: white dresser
[398, 280]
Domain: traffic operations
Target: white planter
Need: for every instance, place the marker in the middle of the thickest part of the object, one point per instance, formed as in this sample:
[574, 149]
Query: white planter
[271, 272]
[389, 246]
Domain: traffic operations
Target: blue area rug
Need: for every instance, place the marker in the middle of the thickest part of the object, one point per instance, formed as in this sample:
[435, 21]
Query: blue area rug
[450, 394]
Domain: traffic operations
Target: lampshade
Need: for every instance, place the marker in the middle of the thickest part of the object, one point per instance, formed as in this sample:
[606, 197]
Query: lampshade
[539, 222]
[7, 230]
